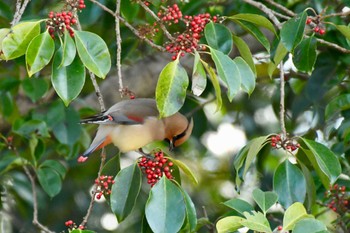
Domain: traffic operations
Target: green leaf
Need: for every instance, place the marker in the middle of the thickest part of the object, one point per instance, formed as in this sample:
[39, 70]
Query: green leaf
[218, 37]
[310, 226]
[289, 183]
[199, 77]
[129, 9]
[305, 55]
[3, 33]
[229, 224]
[345, 30]
[93, 52]
[293, 214]
[81, 231]
[256, 221]
[55, 165]
[68, 81]
[239, 205]
[68, 50]
[280, 54]
[165, 208]
[171, 88]
[324, 161]
[264, 199]
[16, 42]
[215, 81]
[39, 52]
[292, 31]
[310, 186]
[228, 72]
[6, 103]
[186, 170]
[255, 146]
[238, 162]
[191, 214]
[49, 180]
[32, 126]
[337, 104]
[244, 50]
[255, 31]
[246, 75]
[255, 19]
[35, 88]
[125, 191]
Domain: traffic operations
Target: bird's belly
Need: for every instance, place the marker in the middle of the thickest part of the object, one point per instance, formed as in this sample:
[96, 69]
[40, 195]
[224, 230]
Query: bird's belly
[133, 137]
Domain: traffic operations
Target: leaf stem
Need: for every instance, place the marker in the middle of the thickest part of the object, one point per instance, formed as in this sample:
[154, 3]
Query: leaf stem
[282, 104]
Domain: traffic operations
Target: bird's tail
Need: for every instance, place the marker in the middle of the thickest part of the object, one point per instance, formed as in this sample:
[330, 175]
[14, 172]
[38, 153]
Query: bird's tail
[98, 119]
[93, 147]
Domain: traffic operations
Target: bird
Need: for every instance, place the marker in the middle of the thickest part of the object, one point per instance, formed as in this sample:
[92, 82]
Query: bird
[134, 123]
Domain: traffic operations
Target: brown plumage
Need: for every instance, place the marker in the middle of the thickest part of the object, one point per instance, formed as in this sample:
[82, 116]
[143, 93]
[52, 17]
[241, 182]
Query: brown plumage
[132, 124]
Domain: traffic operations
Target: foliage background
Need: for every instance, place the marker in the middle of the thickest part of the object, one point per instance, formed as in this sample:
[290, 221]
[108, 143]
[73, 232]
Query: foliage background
[23, 99]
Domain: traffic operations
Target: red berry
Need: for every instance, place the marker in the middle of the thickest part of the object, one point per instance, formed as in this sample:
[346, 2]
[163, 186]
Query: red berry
[308, 21]
[279, 228]
[322, 31]
[317, 29]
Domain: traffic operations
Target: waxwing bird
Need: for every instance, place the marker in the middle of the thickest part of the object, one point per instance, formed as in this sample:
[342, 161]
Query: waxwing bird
[134, 123]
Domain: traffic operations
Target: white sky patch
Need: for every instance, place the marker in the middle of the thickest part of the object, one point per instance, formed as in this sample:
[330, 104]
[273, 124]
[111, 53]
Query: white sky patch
[109, 222]
[226, 140]
[265, 116]
[345, 9]
[227, 190]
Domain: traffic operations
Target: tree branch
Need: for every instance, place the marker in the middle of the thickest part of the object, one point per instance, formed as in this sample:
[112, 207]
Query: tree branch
[282, 106]
[132, 29]
[35, 203]
[119, 44]
[282, 8]
[19, 11]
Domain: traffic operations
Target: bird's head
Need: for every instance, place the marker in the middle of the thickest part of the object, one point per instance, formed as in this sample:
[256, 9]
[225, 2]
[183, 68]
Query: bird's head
[177, 129]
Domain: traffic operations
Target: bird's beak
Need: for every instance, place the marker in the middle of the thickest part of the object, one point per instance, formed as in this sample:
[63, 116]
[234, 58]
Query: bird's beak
[171, 145]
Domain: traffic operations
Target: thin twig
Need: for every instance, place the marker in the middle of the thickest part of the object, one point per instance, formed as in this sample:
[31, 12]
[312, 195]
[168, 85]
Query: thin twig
[19, 11]
[334, 46]
[282, 8]
[119, 44]
[93, 196]
[35, 203]
[166, 32]
[266, 10]
[341, 14]
[282, 106]
[132, 29]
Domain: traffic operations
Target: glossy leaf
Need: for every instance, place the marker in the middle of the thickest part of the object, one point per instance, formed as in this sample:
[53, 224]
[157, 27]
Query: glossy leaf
[50, 181]
[81, 231]
[186, 170]
[324, 161]
[345, 30]
[68, 50]
[93, 52]
[244, 50]
[256, 221]
[337, 104]
[129, 9]
[293, 214]
[165, 208]
[35, 88]
[229, 224]
[199, 77]
[255, 19]
[239, 205]
[246, 75]
[6, 104]
[39, 52]
[218, 37]
[305, 55]
[289, 183]
[265, 200]
[310, 226]
[280, 54]
[191, 215]
[3, 34]
[255, 146]
[55, 165]
[15, 43]
[68, 81]
[228, 72]
[32, 126]
[125, 191]
[255, 31]
[310, 186]
[215, 81]
[292, 31]
[238, 163]
[171, 88]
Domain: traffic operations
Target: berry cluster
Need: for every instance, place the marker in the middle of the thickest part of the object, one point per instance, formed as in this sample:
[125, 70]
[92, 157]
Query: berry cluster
[155, 167]
[187, 41]
[71, 225]
[60, 21]
[104, 184]
[338, 201]
[287, 144]
[76, 4]
[316, 25]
